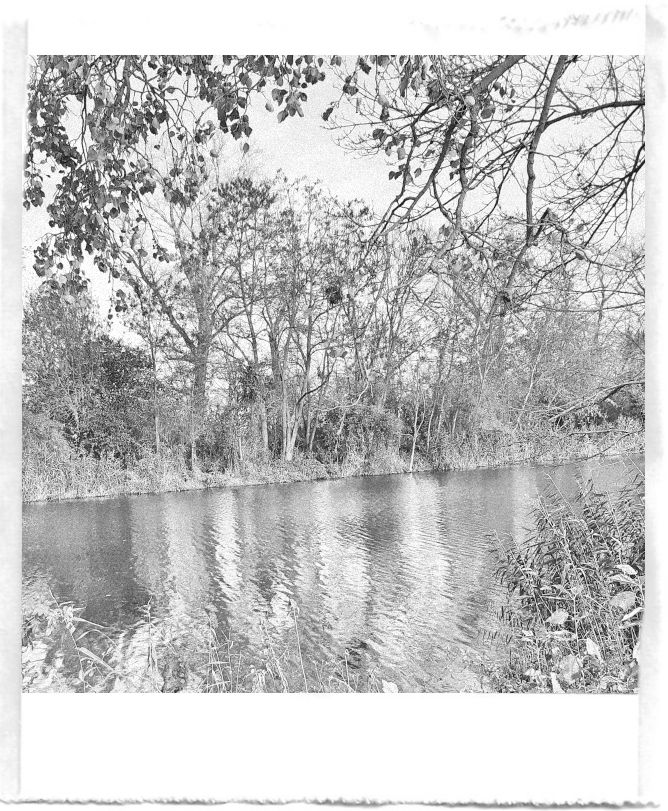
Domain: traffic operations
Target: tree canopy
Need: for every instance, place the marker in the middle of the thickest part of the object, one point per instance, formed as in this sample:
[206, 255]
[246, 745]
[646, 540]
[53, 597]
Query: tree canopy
[566, 132]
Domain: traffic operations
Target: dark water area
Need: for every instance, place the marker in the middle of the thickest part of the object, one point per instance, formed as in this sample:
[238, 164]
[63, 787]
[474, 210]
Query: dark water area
[393, 573]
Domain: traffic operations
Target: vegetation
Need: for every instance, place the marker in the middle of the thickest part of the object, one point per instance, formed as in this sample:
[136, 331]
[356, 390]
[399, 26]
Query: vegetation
[452, 127]
[100, 417]
[575, 595]
[64, 652]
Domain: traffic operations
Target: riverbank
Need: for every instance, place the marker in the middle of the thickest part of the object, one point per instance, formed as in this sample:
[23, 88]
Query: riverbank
[81, 476]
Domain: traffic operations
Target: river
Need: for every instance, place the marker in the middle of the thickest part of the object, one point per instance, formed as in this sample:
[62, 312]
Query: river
[391, 576]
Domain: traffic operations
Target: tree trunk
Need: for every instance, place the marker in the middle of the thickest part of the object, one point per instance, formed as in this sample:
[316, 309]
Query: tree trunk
[416, 427]
[292, 433]
[198, 401]
[264, 429]
[410, 468]
[156, 418]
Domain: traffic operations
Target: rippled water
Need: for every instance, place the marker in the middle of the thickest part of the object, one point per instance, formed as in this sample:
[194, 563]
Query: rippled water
[392, 573]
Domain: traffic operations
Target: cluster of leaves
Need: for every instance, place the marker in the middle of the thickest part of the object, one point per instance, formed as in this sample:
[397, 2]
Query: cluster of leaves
[91, 117]
[95, 388]
[575, 594]
[56, 656]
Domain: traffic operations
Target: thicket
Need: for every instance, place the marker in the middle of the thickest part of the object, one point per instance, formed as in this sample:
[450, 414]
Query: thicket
[575, 595]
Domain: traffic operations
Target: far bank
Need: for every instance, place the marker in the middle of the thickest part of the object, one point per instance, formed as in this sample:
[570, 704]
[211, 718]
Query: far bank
[82, 476]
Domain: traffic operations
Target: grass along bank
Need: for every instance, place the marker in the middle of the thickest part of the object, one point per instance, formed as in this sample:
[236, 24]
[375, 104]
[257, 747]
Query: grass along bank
[53, 471]
[63, 652]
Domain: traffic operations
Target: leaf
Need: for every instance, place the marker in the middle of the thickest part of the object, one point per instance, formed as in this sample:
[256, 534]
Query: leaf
[632, 613]
[625, 600]
[559, 617]
[97, 659]
[620, 578]
[556, 687]
[593, 649]
[624, 567]
[570, 668]
[389, 686]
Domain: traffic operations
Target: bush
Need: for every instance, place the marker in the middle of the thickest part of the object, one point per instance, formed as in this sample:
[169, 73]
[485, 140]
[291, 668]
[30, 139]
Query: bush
[366, 431]
[575, 594]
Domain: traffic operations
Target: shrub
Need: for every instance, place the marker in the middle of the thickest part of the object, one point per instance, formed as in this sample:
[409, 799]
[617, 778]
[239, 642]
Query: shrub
[575, 595]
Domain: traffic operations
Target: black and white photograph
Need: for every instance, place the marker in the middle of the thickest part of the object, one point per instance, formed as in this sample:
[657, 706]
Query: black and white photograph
[333, 373]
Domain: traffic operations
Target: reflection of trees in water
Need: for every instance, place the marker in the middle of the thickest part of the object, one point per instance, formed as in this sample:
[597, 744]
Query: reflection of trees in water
[86, 551]
[149, 551]
[343, 566]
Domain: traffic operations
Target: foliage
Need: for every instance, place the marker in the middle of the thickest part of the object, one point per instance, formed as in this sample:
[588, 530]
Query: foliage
[94, 387]
[451, 125]
[575, 595]
[361, 429]
[120, 104]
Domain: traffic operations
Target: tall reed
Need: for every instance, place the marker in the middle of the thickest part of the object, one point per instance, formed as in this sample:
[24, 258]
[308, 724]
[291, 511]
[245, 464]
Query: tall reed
[575, 593]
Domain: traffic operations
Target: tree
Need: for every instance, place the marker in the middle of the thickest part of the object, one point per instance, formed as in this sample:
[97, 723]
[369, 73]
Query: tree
[501, 291]
[173, 249]
[89, 116]
[294, 284]
[96, 388]
[60, 357]
[469, 133]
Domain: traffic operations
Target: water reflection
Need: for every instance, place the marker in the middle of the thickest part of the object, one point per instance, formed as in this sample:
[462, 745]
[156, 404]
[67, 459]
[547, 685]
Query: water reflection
[391, 572]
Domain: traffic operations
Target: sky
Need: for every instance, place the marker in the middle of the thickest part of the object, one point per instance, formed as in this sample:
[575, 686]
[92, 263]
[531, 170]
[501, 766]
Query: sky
[305, 146]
